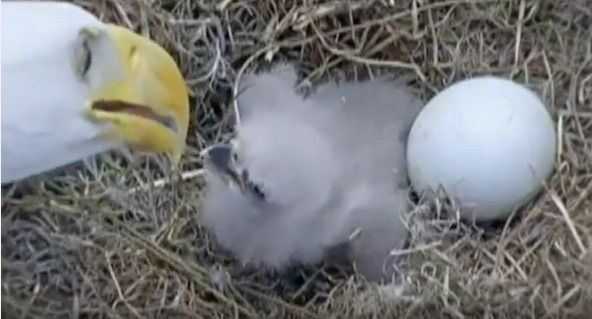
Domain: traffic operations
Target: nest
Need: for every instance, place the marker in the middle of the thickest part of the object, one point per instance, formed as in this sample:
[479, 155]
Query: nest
[124, 241]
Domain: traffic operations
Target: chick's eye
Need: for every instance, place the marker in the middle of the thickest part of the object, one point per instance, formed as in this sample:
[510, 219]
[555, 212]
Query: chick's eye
[258, 191]
[253, 187]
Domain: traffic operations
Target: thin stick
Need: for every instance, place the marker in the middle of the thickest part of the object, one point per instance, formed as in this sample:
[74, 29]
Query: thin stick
[165, 181]
[400, 252]
[570, 224]
[521, 10]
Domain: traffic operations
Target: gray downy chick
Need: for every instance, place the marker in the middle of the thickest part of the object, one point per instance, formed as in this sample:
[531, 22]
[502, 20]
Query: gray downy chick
[305, 176]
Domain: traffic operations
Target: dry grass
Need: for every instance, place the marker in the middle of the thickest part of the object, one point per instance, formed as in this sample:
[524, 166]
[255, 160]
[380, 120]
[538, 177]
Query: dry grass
[85, 246]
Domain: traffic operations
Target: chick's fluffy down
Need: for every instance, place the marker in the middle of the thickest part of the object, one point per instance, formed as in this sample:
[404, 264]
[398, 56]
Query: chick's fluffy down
[330, 164]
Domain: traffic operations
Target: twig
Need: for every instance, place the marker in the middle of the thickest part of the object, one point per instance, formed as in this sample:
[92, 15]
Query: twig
[165, 181]
[123, 14]
[570, 224]
[324, 10]
[192, 272]
[520, 22]
[368, 61]
[118, 287]
[416, 249]
[584, 195]
[294, 308]
[239, 75]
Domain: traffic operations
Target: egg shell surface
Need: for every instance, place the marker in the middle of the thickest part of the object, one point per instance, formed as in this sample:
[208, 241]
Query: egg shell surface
[488, 142]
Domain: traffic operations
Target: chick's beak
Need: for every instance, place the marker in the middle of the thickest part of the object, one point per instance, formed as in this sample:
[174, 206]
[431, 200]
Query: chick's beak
[148, 104]
[219, 160]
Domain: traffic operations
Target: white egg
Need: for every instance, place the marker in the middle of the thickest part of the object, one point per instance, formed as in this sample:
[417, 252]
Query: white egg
[488, 142]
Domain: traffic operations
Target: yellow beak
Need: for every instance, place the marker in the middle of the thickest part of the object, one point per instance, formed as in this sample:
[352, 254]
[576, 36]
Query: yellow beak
[142, 95]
